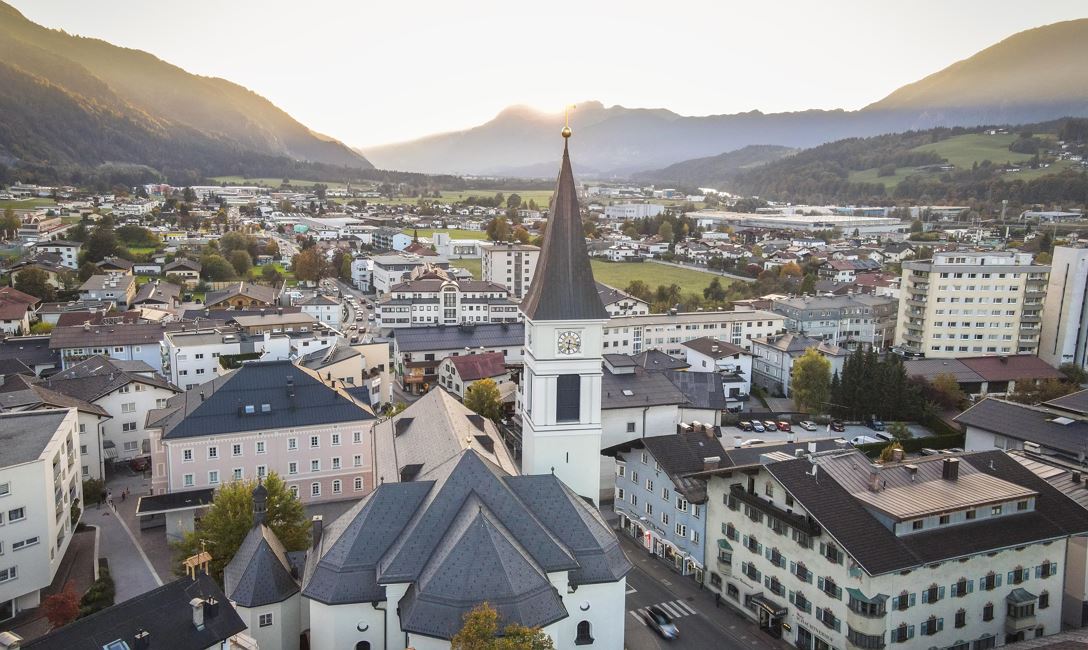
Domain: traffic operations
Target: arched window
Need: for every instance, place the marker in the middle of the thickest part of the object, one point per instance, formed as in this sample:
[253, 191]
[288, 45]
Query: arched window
[583, 637]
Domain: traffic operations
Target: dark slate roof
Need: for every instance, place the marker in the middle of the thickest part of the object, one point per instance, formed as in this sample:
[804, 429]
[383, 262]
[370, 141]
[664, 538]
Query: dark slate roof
[488, 335]
[175, 501]
[610, 295]
[327, 357]
[878, 550]
[464, 532]
[258, 292]
[218, 406]
[183, 264]
[24, 435]
[638, 389]
[20, 392]
[259, 573]
[100, 375]
[158, 292]
[228, 314]
[702, 389]
[658, 360]
[163, 612]
[563, 286]
[118, 334]
[714, 348]
[12, 366]
[31, 350]
[1074, 402]
[1024, 422]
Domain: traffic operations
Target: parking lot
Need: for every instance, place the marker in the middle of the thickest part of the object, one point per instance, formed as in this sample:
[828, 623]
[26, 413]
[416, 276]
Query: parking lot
[851, 431]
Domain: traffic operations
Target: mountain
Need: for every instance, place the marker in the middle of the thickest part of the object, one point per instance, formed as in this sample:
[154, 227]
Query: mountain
[714, 171]
[70, 100]
[1032, 76]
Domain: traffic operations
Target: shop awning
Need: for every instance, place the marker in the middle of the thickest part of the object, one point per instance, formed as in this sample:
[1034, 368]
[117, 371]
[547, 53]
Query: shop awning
[768, 605]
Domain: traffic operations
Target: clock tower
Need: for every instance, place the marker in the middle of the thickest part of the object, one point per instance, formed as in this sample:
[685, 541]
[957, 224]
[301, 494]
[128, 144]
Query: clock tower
[564, 328]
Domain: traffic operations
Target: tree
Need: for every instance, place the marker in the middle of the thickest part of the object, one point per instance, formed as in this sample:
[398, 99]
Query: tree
[808, 284]
[1029, 392]
[41, 328]
[640, 290]
[272, 248]
[230, 518]
[498, 229]
[521, 235]
[481, 632]
[10, 223]
[270, 274]
[345, 267]
[790, 270]
[665, 232]
[715, 291]
[899, 431]
[35, 282]
[101, 244]
[1074, 374]
[86, 270]
[483, 397]
[946, 391]
[215, 268]
[887, 454]
[62, 608]
[241, 261]
[810, 382]
[310, 265]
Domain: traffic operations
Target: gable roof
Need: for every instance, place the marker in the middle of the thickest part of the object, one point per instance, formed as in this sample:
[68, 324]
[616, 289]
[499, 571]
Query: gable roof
[1023, 422]
[714, 348]
[703, 390]
[1011, 368]
[258, 292]
[471, 367]
[1074, 402]
[98, 376]
[182, 264]
[259, 573]
[611, 295]
[563, 286]
[657, 360]
[235, 402]
[638, 389]
[487, 335]
[158, 292]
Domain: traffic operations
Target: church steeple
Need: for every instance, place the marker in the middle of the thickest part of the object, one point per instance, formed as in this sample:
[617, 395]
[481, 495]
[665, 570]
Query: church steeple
[563, 287]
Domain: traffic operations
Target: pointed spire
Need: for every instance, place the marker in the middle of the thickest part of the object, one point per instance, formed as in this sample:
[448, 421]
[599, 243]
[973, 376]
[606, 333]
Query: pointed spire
[563, 286]
[260, 502]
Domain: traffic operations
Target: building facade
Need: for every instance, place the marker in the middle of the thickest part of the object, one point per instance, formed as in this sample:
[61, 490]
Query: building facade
[436, 301]
[846, 321]
[1064, 335]
[965, 303]
[667, 332]
[511, 265]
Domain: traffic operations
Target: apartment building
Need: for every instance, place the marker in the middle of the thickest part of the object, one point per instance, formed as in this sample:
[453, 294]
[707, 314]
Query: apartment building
[391, 239]
[390, 270]
[968, 303]
[828, 550]
[68, 251]
[624, 211]
[265, 416]
[418, 351]
[846, 321]
[773, 357]
[39, 483]
[1064, 335]
[324, 310]
[511, 265]
[633, 334]
[117, 288]
[438, 301]
[121, 341]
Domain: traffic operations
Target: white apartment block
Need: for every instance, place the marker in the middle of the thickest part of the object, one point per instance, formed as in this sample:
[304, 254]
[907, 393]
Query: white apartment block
[511, 265]
[390, 270]
[67, 250]
[195, 357]
[39, 482]
[1064, 337]
[325, 310]
[829, 551]
[624, 211]
[667, 332]
[435, 301]
[966, 303]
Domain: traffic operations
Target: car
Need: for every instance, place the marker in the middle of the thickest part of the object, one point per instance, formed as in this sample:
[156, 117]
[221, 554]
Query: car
[757, 426]
[370, 317]
[886, 437]
[837, 425]
[752, 441]
[875, 424]
[358, 318]
[807, 425]
[770, 425]
[744, 425]
[864, 440]
[660, 622]
[139, 464]
[784, 426]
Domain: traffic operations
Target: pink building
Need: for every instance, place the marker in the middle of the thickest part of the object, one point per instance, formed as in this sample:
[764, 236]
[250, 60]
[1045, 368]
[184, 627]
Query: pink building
[267, 416]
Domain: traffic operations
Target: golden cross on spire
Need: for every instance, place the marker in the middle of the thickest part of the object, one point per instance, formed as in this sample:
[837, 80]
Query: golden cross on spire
[566, 119]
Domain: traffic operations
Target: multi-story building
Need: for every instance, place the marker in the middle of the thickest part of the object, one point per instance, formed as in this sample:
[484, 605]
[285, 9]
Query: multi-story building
[667, 332]
[511, 265]
[362, 273]
[418, 351]
[832, 551]
[117, 288]
[391, 270]
[623, 211]
[846, 321]
[265, 416]
[120, 341]
[438, 301]
[68, 251]
[968, 303]
[1064, 335]
[324, 309]
[773, 357]
[40, 483]
[619, 303]
[458, 374]
[16, 308]
[391, 239]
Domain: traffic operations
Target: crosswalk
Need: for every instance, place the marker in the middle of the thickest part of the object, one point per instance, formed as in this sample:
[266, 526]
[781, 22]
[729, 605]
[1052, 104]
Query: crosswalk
[674, 608]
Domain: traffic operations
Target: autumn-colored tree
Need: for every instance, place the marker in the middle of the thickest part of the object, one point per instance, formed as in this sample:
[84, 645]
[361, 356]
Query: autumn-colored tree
[310, 265]
[946, 391]
[790, 270]
[481, 632]
[483, 397]
[35, 282]
[810, 382]
[63, 607]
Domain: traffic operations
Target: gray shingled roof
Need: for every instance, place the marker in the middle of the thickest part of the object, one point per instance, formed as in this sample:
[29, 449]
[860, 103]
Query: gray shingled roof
[219, 406]
[1023, 422]
[563, 286]
[1074, 402]
[259, 573]
[702, 389]
[488, 335]
[23, 436]
[100, 375]
[638, 389]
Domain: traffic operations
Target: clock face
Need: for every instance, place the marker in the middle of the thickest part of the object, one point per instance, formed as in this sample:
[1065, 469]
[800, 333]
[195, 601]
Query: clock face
[570, 343]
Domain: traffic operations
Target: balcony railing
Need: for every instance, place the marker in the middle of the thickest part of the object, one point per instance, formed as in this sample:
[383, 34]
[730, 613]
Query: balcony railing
[800, 522]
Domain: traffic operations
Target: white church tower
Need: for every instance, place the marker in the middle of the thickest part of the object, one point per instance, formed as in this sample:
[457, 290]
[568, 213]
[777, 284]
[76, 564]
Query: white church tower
[564, 323]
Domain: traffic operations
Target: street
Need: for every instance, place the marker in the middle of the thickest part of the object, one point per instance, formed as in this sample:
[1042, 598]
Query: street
[701, 625]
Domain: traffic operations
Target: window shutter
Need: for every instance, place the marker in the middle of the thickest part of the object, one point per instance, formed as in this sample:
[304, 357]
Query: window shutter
[912, 600]
[940, 593]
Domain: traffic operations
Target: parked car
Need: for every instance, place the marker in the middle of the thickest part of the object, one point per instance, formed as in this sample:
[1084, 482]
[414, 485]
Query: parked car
[864, 440]
[875, 424]
[837, 425]
[752, 441]
[770, 425]
[784, 426]
[884, 435]
[661, 623]
[744, 425]
[757, 426]
[807, 425]
[139, 464]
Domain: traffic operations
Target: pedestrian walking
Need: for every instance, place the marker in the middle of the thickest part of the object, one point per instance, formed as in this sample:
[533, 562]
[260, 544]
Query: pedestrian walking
[123, 494]
[717, 600]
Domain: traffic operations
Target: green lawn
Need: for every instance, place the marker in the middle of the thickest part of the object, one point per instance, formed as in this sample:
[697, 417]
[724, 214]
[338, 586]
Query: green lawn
[142, 250]
[274, 183]
[455, 233]
[620, 274]
[26, 204]
[472, 266]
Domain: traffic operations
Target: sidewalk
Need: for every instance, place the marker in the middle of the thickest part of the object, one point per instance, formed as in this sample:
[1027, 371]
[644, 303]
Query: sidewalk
[139, 562]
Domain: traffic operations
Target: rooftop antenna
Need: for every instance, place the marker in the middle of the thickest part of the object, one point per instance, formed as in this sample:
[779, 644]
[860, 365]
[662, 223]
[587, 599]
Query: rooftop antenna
[566, 119]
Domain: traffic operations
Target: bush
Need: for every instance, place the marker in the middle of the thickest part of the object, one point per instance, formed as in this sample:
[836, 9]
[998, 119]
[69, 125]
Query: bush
[915, 445]
[99, 596]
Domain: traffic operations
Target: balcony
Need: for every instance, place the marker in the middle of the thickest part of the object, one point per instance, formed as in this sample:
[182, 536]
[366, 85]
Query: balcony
[915, 302]
[913, 338]
[804, 524]
[1032, 318]
[1020, 610]
[1031, 293]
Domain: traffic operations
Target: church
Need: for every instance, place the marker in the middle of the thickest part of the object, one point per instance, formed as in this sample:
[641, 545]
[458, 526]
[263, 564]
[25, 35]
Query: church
[404, 565]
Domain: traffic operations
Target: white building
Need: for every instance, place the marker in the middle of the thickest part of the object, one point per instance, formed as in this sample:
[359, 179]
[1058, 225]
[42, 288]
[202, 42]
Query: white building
[362, 273]
[772, 365]
[1064, 335]
[633, 334]
[458, 374]
[324, 309]
[619, 303]
[67, 250]
[439, 301]
[390, 270]
[39, 483]
[511, 265]
[624, 211]
[455, 249]
[967, 303]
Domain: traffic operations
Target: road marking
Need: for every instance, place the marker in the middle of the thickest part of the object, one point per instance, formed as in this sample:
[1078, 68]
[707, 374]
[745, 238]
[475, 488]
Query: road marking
[668, 607]
[666, 582]
[683, 605]
[673, 608]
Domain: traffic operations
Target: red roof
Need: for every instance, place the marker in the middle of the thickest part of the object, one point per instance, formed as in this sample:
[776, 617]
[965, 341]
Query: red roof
[14, 295]
[471, 367]
[1011, 368]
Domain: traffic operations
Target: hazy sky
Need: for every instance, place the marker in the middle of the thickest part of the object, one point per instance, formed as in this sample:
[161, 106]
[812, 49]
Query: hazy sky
[370, 72]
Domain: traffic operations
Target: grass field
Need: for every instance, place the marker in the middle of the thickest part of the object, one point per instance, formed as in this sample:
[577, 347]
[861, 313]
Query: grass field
[26, 204]
[274, 183]
[472, 266]
[620, 274]
[455, 233]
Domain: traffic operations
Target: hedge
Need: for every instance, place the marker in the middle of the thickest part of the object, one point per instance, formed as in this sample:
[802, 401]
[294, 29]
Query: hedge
[915, 445]
[99, 596]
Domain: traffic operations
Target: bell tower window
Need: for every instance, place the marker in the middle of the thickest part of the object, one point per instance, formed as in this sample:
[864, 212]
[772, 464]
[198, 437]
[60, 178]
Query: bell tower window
[568, 394]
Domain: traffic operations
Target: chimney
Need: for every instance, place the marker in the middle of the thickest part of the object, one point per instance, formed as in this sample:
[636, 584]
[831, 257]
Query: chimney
[198, 613]
[736, 442]
[316, 525]
[1076, 477]
[950, 469]
[711, 462]
[875, 482]
[897, 455]
[211, 608]
[142, 640]
[812, 447]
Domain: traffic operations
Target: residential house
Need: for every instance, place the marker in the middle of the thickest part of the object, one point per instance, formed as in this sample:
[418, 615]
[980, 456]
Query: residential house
[847, 321]
[418, 351]
[458, 374]
[619, 303]
[187, 270]
[773, 358]
[241, 296]
[117, 288]
[982, 376]
[16, 309]
[67, 251]
[324, 310]
[115, 265]
[158, 295]
[123, 341]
